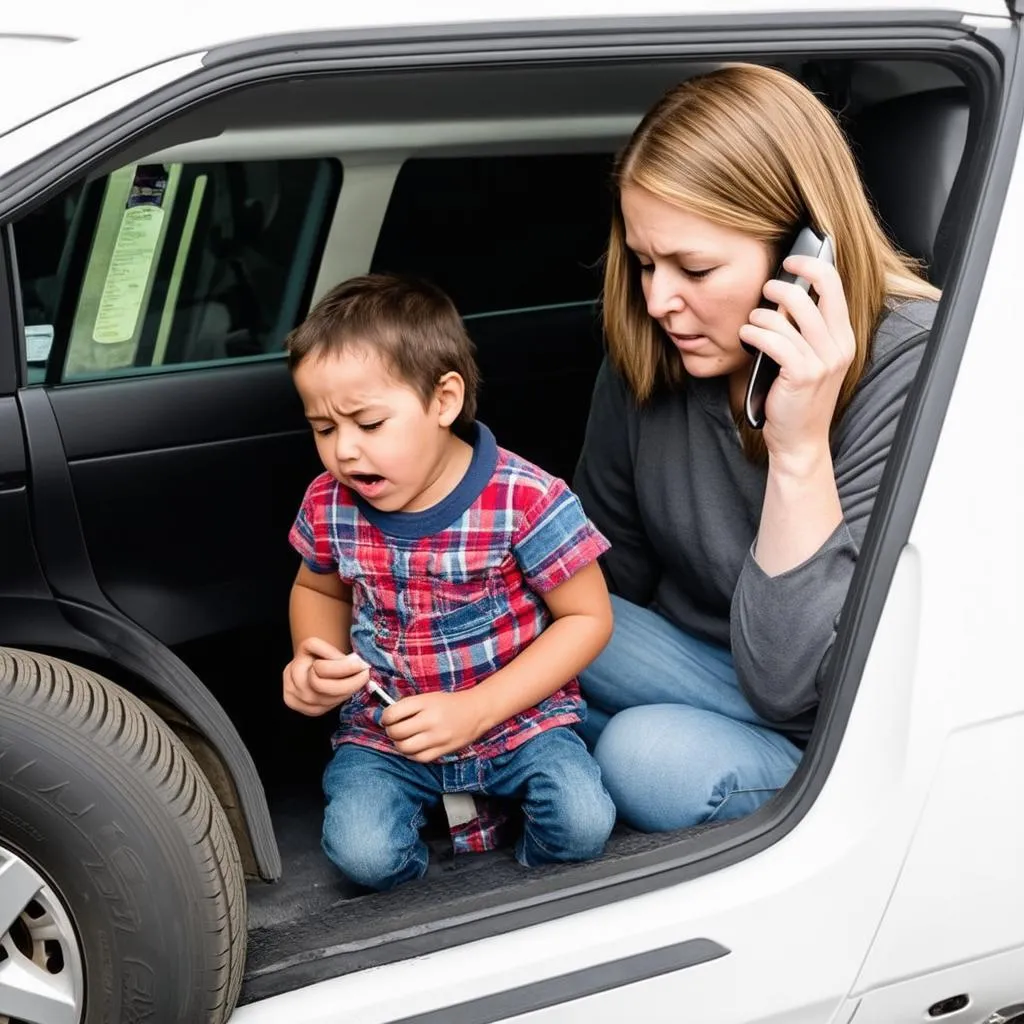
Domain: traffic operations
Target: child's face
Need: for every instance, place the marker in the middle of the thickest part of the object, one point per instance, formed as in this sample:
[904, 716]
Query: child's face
[374, 434]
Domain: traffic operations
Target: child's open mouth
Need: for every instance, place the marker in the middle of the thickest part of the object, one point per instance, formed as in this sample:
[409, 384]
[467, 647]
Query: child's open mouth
[369, 485]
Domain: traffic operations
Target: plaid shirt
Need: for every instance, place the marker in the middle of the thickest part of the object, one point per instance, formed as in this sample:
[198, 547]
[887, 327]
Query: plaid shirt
[443, 598]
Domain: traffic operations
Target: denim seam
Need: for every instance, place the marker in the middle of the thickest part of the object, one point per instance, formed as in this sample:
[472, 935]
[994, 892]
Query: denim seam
[530, 820]
[734, 792]
[418, 813]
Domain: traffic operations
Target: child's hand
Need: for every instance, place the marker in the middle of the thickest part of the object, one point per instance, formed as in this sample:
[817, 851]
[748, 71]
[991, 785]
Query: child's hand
[428, 725]
[320, 677]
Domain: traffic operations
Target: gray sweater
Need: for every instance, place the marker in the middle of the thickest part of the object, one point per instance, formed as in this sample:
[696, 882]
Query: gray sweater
[669, 486]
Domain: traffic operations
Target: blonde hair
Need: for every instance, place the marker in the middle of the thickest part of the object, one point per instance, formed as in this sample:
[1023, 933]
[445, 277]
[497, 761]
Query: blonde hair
[749, 148]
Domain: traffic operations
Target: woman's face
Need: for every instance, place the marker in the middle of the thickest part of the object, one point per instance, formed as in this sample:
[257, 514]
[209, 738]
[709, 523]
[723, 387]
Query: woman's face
[700, 280]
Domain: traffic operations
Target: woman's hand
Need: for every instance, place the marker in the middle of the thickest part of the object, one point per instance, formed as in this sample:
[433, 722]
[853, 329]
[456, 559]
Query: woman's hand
[814, 346]
[801, 506]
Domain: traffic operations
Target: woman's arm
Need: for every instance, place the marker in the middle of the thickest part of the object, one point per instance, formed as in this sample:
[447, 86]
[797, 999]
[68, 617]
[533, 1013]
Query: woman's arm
[814, 347]
[790, 593]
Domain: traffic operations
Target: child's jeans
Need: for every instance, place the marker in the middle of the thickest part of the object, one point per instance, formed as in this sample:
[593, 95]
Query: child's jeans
[376, 804]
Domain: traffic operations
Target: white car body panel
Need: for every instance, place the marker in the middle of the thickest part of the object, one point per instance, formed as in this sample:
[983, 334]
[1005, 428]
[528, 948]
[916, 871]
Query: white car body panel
[960, 894]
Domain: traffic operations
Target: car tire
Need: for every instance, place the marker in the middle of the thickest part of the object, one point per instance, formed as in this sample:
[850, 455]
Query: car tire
[100, 801]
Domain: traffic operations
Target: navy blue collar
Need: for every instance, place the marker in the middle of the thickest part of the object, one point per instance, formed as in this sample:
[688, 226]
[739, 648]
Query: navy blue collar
[412, 525]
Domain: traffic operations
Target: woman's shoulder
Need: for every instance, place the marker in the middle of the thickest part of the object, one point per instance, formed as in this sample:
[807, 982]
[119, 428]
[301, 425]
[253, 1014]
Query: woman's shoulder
[905, 324]
[896, 351]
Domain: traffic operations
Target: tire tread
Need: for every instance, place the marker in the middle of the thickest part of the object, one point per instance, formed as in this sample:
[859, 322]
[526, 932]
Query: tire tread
[140, 743]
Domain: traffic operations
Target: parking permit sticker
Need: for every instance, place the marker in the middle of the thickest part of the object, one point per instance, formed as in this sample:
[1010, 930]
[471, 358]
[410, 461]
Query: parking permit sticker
[132, 259]
[38, 342]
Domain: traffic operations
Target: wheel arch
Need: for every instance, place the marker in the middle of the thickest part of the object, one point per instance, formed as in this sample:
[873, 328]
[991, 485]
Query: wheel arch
[117, 648]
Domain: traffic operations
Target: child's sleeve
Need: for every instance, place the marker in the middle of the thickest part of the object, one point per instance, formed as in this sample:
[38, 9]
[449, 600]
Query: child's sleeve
[308, 534]
[554, 538]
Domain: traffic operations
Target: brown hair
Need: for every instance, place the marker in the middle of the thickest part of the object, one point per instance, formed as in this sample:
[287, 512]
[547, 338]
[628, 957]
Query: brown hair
[749, 148]
[411, 324]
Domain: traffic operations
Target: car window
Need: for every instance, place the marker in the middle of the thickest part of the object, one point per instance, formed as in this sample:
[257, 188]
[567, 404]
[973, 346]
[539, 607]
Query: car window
[162, 266]
[501, 233]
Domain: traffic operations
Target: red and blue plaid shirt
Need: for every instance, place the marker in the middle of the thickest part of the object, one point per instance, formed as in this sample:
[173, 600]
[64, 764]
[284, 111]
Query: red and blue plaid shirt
[443, 598]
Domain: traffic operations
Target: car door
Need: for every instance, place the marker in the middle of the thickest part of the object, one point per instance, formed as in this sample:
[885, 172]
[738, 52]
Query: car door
[23, 579]
[156, 299]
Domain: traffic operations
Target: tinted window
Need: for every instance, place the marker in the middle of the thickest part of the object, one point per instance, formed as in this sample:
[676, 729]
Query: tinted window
[162, 265]
[501, 233]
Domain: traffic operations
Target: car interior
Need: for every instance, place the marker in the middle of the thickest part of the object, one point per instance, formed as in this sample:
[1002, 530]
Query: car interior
[492, 182]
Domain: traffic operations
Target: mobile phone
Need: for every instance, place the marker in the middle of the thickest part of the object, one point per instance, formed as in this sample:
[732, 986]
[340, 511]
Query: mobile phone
[764, 371]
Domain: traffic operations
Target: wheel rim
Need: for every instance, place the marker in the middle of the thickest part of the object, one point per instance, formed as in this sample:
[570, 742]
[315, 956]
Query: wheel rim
[41, 978]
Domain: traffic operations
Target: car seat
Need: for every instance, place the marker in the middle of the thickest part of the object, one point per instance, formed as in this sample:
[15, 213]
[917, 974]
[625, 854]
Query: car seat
[910, 149]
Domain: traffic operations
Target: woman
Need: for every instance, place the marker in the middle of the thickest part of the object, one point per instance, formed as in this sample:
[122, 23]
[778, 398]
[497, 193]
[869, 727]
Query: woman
[732, 549]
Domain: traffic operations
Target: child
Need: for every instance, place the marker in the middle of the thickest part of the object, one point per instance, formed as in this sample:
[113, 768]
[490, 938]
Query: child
[447, 572]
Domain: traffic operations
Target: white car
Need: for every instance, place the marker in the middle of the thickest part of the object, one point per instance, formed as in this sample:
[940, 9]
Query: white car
[177, 185]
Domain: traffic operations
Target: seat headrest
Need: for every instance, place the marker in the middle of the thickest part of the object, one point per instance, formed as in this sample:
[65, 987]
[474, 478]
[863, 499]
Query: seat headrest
[909, 149]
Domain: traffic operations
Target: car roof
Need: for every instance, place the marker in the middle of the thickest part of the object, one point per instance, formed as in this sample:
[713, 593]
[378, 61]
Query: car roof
[222, 21]
[64, 49]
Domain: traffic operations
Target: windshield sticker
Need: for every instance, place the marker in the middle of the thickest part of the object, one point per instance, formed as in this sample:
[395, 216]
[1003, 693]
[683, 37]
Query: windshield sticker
[132, 259]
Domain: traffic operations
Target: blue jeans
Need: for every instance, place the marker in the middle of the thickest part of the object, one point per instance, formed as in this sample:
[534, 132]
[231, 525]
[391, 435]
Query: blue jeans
[376, 803]
[676, 740]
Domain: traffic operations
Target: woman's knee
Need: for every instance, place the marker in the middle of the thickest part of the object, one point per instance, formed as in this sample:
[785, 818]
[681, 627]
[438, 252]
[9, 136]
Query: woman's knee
[634, 756]
[671, 766]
